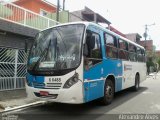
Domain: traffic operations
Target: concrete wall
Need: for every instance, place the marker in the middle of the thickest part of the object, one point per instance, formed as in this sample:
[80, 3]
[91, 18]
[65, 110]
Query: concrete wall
[75, 16]
[35, 5]
[13, 40]
[63, 16]
[14, 35]
[131, 37]
[148, 44]
[135, 37]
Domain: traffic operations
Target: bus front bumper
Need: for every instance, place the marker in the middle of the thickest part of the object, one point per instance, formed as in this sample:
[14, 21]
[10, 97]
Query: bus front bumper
[73, 95]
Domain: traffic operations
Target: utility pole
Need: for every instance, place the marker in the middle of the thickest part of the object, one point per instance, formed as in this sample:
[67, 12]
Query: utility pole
[145, 35]
[57, 12]
[63, 4]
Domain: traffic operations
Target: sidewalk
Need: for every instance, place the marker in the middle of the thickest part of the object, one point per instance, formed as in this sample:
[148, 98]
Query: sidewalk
[154, 75]
[15, 99]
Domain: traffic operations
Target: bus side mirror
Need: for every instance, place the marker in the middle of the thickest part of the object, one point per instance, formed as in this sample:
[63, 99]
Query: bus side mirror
[85, 50]
[89, 45]
[92, 42]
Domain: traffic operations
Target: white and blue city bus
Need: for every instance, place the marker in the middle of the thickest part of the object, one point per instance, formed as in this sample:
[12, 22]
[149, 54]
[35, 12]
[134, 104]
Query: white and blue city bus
[80, 62]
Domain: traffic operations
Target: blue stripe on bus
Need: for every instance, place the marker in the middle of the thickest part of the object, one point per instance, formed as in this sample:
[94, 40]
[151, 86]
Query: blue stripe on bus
[118, 84]
[37, 79]
[94, 90]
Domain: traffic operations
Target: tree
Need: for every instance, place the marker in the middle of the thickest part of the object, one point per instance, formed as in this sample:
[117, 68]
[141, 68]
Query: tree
[159, 62]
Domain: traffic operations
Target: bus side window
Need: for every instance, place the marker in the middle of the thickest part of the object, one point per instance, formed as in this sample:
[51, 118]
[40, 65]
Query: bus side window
[139, 54]
[132, 52]
[123, 50]
[111, 46]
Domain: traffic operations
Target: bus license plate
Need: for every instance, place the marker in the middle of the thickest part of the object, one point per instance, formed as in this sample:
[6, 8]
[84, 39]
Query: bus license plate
[44, 93]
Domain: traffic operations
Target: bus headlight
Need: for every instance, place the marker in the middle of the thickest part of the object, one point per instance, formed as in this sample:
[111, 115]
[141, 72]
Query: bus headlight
[71, 81]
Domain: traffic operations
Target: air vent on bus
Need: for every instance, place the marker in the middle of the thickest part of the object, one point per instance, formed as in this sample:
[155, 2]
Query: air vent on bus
[53, 85]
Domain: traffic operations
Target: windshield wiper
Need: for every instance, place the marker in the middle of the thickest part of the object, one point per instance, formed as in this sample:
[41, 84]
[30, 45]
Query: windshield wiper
[44, 53]
[62, 39]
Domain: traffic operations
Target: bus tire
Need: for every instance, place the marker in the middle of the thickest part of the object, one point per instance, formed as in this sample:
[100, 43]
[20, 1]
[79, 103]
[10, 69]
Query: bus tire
[137, 82]
[108, 92]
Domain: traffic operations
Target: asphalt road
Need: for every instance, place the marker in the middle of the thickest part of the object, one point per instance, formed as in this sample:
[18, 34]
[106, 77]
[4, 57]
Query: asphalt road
[145, 101]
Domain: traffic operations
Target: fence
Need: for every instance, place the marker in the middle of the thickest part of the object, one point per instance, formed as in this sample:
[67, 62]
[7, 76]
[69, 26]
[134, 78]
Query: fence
[12, 68]
[13, 61]
[19, 15]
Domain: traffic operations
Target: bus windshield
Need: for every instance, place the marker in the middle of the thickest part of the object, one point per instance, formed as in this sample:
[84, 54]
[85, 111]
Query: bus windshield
[56, 48]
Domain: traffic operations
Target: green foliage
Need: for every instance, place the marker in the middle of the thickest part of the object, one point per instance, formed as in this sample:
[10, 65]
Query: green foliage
[149, 63]
[158, 61]
[154, 48]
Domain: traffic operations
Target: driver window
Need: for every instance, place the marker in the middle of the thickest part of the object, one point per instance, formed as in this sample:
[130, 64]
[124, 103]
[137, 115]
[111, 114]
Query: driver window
[94, 53]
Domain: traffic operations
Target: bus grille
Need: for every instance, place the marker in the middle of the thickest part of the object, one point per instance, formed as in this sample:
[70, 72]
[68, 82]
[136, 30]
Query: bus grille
[47, 85]
[53, 85]
[38, 85]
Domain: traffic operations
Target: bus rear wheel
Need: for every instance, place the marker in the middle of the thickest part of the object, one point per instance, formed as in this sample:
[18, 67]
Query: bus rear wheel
[108, 92]
[137, 82]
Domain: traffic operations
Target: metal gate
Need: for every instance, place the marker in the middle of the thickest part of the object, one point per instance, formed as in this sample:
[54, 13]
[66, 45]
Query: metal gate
[12, 68]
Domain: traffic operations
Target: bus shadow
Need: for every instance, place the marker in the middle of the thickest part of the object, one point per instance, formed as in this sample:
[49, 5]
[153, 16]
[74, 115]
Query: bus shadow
[124, 96]
[91, 110]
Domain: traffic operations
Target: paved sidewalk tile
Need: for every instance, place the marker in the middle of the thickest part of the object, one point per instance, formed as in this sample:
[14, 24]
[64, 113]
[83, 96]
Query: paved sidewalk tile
[14, 103]
[14, 98]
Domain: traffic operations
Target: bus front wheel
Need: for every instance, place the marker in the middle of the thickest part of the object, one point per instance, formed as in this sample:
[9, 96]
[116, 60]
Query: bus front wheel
[108, 92]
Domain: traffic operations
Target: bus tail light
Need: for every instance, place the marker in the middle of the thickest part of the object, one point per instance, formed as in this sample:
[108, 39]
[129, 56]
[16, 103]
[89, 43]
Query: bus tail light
[71, 81]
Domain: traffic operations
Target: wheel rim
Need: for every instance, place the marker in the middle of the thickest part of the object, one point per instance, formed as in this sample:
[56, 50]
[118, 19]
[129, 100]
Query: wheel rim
[109, 92]
[137, 82]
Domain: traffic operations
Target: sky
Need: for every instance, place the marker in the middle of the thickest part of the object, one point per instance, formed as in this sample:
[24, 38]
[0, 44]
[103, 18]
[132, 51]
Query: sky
[128, 16]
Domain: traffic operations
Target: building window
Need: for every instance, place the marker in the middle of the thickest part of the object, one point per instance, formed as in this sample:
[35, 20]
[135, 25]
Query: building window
[43, 12]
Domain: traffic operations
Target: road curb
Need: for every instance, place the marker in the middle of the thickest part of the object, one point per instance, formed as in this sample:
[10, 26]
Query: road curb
[24, 106]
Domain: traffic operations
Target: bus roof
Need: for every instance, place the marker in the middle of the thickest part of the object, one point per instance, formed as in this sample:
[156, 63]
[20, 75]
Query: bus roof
[100, 27]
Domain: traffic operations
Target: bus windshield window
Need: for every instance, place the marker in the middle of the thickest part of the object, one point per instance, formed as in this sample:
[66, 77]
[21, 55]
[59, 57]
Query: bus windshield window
[57, 48]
